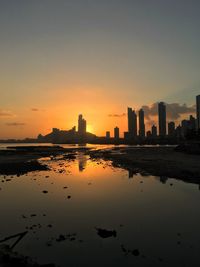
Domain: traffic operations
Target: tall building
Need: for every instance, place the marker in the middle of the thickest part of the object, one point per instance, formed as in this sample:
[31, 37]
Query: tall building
[141, 123]
[162, 119]
[154, 131]
[198, 111]
[192, 123]
[116, 133]
[171, 128]
[108, 135]
[179, 131]
[81, 125]
[132, 123]
[188, 126]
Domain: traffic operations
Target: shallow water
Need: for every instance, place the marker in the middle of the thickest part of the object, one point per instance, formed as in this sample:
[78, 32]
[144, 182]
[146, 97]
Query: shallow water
[156, 216]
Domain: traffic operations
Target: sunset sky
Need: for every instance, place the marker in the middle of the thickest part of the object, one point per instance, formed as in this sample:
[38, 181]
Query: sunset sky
[59, 58]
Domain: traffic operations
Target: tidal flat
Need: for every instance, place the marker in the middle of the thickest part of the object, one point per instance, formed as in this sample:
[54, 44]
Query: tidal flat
[96, 207]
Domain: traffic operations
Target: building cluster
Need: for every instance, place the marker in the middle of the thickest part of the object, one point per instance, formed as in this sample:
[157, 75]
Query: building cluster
[69, 136]
[164, 130]
[163, 133]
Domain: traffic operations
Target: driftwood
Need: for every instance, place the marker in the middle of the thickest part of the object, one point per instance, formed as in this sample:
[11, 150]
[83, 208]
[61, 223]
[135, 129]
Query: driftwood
[20, 236]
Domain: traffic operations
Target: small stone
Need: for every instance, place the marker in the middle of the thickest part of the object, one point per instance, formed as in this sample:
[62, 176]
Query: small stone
[136, 252]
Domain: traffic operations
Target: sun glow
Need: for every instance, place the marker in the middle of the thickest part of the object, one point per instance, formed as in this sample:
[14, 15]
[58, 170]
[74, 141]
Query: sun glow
[90, 128]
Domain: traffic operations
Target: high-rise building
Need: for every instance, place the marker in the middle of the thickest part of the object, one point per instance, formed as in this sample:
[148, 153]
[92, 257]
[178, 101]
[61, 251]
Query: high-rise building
[192, 123]
[154, 131]
[81, 125]
[116, 133]
[132, 123]
[179, 131]
[171, 128]
[162, 119]
[188, 126]
[149, 135]
[198, 111]
[108, 135]
[185, 125]
[141, 123]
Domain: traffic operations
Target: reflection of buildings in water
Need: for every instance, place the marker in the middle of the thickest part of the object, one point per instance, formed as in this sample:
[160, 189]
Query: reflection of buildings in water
[131, 173]
[82, 162]
[163, 179]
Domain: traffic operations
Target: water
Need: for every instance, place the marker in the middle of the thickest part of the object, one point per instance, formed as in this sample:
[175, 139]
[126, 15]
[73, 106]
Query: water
[4, 146]
[160, 220]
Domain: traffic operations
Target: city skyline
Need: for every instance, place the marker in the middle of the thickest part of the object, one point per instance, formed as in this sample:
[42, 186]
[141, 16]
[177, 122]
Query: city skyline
[165, 126]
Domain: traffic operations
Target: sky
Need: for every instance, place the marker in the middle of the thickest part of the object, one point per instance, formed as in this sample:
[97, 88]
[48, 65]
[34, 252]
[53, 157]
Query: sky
[60, 58]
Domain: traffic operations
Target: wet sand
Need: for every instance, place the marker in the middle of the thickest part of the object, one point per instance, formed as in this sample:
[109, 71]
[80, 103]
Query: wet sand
[21, 160]
[158, 161]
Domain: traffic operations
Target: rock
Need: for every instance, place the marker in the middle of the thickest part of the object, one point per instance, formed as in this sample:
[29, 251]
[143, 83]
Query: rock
[103, 233]
[61, 238]
[136, 252]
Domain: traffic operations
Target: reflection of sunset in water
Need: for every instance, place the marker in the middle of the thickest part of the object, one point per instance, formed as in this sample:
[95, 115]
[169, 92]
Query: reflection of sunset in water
[83, 195]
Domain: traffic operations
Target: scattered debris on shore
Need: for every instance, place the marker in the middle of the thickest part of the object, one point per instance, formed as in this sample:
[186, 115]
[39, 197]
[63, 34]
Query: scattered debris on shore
[103, 233]
[10, 258]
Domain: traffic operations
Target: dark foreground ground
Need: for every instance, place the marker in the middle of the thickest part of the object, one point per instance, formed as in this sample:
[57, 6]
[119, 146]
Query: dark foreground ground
[8, 258]
[158, 161]
[21, 160]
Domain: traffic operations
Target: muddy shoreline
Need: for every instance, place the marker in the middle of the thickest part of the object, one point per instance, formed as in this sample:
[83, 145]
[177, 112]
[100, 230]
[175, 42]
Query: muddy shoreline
[165, 162]
[21, 160]
[158, 161]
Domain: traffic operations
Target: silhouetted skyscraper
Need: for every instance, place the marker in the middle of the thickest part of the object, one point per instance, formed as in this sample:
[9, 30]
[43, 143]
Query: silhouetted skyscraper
[116, 133]
[192, 123]
[188, 125]
[81, 125]
[179, 131]
[154, 131]
[171, 128]
[141, 123]
[149, 134]
[162, 118]
[108, 135]
[198, 111]
[185, 124]
[132, 123]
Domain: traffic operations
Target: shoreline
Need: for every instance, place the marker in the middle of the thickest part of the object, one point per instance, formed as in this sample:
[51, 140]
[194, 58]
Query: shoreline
[23, 159]
[165, 162]
[158, 161]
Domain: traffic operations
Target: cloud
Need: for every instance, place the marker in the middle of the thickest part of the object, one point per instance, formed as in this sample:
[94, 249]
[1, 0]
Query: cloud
[174, 110]
[6, 113]
[117, 115]
[37, 110]
[15, 124]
